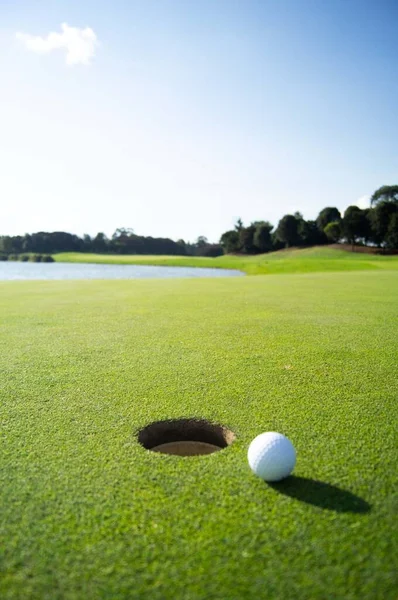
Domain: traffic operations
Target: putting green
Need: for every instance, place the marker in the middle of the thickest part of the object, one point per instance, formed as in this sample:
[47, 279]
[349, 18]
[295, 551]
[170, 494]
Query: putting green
[87, 512]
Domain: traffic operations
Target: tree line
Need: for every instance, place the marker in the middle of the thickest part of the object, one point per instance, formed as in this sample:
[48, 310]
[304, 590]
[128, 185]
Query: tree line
[377, 225]
[123, 241]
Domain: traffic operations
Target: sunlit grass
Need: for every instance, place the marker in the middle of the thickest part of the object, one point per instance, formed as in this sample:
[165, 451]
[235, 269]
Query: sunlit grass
[86, 512]
[310, 260]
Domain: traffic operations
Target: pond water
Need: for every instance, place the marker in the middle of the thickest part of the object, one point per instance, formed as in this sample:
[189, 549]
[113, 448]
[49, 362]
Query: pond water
[11, 271]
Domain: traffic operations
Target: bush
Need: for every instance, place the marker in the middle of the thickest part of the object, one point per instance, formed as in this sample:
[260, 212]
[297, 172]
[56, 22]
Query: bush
[3, 257]
[35, 258]
[13, 257]
[24, 257]
[47, 258]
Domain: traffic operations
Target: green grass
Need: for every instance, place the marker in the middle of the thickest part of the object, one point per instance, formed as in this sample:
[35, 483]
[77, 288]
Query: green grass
[309, 260]
[86, 512]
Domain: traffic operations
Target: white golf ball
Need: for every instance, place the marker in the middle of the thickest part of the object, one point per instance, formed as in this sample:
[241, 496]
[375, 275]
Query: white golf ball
[271, 456]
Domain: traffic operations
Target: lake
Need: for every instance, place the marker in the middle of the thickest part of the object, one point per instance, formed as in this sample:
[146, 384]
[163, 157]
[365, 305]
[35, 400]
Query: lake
[12, 271]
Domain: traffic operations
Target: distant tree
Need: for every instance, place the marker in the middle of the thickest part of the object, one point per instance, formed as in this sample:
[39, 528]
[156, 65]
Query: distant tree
[327, 215]
[239, 225]
[301, 229]
[100, 243]
[124, 241]
[276, 242]
[122, 231]
[44, 242]
[202, 247]
[287, 231]
[26, 243]
[246, 239]
[385, 193]
[6, 244]
[17, 243]
[354, 224]
[230, 241]
[150, 245]
[309, 234]
[183, 246]
[367, 225]
[333, 231]
[392, 232]
[380, 218]
[210, 250]
[87, 243]
[202, 241]
[262, 239]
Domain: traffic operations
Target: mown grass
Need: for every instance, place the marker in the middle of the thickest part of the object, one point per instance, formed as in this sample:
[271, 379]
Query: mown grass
[86, 512]
[309, 260]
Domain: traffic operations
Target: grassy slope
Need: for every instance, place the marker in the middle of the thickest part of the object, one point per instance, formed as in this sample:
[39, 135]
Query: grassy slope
[85, 512]
[310, 260]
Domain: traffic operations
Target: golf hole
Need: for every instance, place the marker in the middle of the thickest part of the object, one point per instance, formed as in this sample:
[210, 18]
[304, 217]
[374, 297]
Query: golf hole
[185, 437]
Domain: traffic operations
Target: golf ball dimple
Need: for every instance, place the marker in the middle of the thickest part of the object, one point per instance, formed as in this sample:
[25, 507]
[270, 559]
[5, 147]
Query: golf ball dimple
[271, 456]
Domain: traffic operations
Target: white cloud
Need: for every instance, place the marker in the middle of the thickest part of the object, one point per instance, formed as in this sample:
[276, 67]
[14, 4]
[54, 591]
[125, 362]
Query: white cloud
[363, 202]
[80, 44]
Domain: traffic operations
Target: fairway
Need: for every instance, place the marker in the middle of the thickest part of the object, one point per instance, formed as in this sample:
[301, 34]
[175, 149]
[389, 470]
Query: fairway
[87, 512]
[304, 260]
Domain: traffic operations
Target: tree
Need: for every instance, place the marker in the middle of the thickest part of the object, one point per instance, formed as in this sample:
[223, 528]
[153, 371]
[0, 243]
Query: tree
[301, 229]
[44, 242]
[6, 244]
[239, 225]
[354, 224]
[246, 239]
[202, 241]
[276, 242]
[124, 241]
[210, 250]
[367, 225]
[308, 232]
[385, 193]
[230, 241]
[183, 246]
[100, 243]
[202, 247]
[380, 217]
[287, 231]
[333, 231]
[327, 215]
[262, 236]
[392, 232]
[310, 235]
[87, 242]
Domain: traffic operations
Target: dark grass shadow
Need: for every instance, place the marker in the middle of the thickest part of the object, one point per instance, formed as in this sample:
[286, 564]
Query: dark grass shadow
[321, 494]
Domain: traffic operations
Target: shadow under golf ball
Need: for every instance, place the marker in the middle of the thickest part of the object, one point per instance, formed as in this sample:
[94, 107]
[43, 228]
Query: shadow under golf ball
[319, 493]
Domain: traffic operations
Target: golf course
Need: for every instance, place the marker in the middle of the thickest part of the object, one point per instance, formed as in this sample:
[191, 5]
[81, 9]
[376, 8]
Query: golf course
[307, 347]
[317, 259]
[199, 300]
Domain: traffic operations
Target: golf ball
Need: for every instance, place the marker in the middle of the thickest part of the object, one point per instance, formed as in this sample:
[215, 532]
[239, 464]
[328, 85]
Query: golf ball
[271, 456]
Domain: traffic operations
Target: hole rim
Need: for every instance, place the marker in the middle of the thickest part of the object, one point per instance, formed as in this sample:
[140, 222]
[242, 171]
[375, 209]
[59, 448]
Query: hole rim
[185, 429]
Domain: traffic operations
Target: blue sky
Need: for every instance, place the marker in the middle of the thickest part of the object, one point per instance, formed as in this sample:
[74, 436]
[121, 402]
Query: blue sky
[175, 118]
